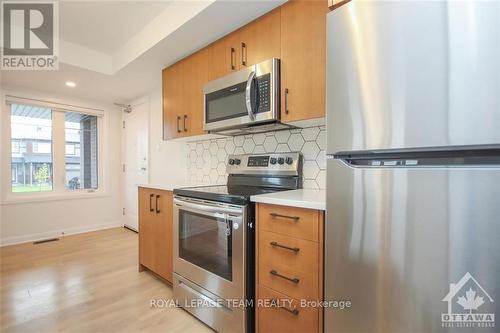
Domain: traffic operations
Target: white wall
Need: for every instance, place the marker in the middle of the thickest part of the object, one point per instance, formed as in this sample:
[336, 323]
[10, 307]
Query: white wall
[28, 221]
[168, 159]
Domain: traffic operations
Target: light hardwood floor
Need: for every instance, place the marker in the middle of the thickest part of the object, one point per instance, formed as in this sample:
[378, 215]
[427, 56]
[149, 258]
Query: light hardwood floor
[84, 283]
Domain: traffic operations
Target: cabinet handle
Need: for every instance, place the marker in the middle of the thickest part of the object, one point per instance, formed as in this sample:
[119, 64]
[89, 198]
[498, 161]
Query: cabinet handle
[286, 101]
[184, 124]
[178, 125]
[295, 218]
[294, 279]
[276, 244]
[150, 204]
[156, 204]
[233, 52]
[243, 54]
[295, 312]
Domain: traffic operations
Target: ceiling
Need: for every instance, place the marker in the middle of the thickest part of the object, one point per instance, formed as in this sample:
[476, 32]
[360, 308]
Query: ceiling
[105, 25]
[114, 50]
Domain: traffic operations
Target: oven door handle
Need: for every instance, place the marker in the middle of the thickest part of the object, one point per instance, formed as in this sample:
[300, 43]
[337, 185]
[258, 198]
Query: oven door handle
[248, 99]
[206, 209]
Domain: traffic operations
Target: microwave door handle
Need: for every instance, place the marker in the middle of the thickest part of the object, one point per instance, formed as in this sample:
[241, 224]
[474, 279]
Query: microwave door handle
[248, 99]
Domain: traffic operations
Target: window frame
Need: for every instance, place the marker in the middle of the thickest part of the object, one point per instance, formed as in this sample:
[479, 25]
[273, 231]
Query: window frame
[59, 190]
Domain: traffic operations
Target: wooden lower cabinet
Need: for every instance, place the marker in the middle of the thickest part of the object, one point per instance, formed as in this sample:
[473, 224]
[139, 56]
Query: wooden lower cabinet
[289, 257]
[155, 231]
[284, 314]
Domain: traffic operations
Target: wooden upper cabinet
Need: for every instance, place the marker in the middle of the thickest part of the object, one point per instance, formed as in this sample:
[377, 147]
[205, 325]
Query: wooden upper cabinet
[257, 41]
[172, 102]
[294, 33]
[194, 76]
[260, 39]
[223, 56]
[183, 96]
[303, 59]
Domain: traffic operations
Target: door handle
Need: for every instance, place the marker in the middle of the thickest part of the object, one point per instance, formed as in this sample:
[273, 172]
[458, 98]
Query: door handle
[276, 244]
[295, 312]
[156, 204]
[286, 101]
[185, 117]
[248, 99]
[294, 279]
[295, 218]
[233, 52]
[243, 54]
[150, 204]
[178, 125]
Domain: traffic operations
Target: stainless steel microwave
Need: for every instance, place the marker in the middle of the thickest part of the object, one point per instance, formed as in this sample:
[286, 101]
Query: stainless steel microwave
[243, 99]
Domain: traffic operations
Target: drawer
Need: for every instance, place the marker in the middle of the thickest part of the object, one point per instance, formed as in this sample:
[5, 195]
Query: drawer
[289, 281]
[285, 252]
[296, 222]
[277, 319]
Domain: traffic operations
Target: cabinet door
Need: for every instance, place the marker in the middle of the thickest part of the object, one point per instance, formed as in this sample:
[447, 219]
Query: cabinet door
[223, 56]
[194, 76]
[147, 227]
[163, 237]
[172, 102]
[303, 56]
[260, 39]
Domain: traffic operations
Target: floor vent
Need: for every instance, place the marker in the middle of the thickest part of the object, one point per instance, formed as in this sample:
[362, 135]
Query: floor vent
[45, 241]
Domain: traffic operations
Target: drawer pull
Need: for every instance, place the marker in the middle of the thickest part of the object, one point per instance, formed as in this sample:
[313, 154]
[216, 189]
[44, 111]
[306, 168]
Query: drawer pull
[156, 204]
[275, 273]
[233, 52]
[295, 218]
[151, 209]
[286, 101]
[295, 312]
[294, 249]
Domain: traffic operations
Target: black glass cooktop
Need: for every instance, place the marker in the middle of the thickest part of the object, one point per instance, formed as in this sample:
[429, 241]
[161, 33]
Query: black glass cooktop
[239, 195]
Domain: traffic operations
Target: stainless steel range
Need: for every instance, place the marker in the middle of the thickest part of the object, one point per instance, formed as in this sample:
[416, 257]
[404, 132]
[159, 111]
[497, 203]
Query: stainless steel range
[214, 265]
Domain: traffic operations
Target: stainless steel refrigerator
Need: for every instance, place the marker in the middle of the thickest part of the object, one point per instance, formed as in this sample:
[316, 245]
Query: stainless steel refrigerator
[413, 170]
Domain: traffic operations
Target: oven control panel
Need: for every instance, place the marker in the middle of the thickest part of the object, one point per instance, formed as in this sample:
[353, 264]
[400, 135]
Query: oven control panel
[275, 163]
[258, 161]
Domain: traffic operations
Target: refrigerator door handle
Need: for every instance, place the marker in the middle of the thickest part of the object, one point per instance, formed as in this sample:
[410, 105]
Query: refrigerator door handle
[463, 156]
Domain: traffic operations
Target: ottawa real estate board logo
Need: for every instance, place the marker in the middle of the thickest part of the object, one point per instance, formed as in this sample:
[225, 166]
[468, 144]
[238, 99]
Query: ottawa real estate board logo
[29, 35]
[469, 305]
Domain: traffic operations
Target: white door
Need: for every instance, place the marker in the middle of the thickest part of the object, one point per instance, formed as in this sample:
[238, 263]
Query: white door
[135, 158]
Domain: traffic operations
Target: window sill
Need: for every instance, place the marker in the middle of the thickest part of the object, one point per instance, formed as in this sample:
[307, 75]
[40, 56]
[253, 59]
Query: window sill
[13, 199]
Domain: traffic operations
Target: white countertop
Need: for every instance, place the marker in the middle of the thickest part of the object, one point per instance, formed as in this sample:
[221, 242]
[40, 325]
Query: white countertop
[304, 198]
[170, 187]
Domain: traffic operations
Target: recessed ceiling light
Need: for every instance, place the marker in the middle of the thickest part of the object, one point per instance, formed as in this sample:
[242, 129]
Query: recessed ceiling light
[71, 84]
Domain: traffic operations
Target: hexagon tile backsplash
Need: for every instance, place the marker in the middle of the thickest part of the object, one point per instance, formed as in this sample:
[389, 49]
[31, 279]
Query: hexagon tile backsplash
[207, 159]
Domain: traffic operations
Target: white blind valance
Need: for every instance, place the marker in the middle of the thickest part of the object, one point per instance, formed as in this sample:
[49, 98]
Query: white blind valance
[54, 105]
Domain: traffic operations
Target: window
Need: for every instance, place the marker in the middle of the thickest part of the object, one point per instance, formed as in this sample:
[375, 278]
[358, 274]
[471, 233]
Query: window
[15, 147]
[81, 168]
[31, 168]
[42, 160]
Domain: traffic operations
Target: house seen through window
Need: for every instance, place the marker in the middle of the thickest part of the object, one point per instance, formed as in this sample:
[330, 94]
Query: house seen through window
[31, 153]
[32, 149]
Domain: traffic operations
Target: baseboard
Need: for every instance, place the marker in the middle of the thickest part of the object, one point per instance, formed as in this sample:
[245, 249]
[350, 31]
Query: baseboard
[58, 233]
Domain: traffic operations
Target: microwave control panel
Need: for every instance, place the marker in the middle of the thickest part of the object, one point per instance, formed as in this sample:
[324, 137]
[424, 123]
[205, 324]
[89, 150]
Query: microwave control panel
[264, 93]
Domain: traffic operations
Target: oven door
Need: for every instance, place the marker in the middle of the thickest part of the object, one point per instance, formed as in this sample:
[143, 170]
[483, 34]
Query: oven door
[209, 245]
[246, 97]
